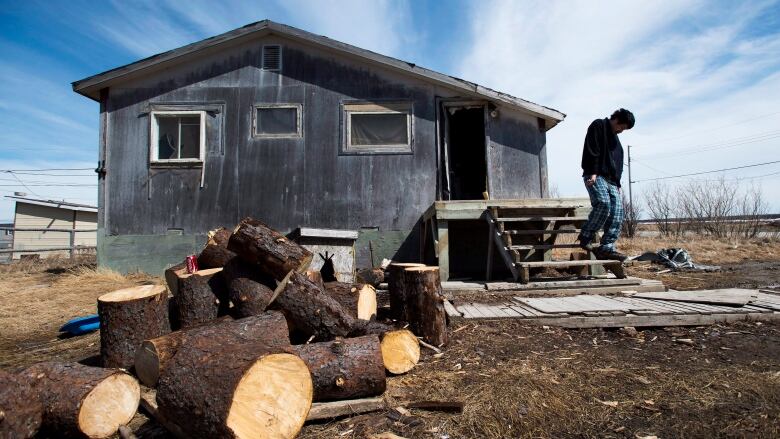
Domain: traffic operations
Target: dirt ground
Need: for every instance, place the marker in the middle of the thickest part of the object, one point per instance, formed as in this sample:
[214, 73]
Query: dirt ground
[516, 381]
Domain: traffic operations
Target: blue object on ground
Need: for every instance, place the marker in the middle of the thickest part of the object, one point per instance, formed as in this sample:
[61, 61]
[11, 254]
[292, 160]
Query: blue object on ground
[81, 325]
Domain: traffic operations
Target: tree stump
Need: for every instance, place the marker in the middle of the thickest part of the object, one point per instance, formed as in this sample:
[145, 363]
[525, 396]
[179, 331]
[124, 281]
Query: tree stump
[396, 289]
[83, 400]
[271, 251]
[235, 391]
[345, 369]
[425, 303]
[216, 254]
[311, 310]
[400, 348]
[127, 318]
[21, 411]
[358, 299]
[155, 355]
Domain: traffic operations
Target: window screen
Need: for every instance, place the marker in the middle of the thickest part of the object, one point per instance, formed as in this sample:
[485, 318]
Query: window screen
[378, 128]
[277, 121]
[178, 136]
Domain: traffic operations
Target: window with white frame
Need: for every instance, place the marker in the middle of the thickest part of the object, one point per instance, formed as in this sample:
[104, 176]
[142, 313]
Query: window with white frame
[277, 120]
[178, 136]
[372, 128]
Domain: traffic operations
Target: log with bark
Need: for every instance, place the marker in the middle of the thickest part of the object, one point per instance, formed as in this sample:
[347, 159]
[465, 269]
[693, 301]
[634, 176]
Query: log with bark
[400, 348]
[200, 296]
[425, 303]
[235, 390]
[311, 310]
[396, 289]
[316, 277]
[127, 318]
[20, 409]
[250, 290]
[372, 276]
[345, 368]
[358, 299]
[155, 355]
[216, 254]
[271, 251]
[83, 400]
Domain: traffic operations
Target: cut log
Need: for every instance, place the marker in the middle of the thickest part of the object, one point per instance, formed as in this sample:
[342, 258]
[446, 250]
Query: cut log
[127, 318]
[400, 348]
[335, 409]
[316, 277]
[346, 368]
[425, 303]
[250, 290]
[155, 355]
[235, 391]
[396, 289]
[20, 409]
[358, 299]
[271, 251]
[200, 296]
[83, 400]
[216, 254]
[372, 276]
[312, 311]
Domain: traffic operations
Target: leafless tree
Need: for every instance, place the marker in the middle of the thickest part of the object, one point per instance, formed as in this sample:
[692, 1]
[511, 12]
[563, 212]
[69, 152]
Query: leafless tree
[662, 207]
[631, 214]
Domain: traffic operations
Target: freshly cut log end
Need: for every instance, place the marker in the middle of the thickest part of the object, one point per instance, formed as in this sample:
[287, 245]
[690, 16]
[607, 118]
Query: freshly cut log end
[400, 351]
[111, 404]
[272, 399]
[127, 318]
[20, 408]
[83, 400]
[271, 251]
[358, 299]
[155, 355]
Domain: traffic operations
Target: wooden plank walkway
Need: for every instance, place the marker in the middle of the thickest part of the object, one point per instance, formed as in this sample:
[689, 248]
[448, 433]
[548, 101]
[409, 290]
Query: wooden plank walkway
[597, 311]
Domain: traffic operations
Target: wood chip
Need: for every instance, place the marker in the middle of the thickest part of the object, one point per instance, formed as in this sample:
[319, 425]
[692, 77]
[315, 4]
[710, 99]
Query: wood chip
[687, 341]
[386, 435]
[608, 403]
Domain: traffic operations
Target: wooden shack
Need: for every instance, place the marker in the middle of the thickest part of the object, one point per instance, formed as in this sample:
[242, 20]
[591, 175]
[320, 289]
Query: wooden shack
[298, 130]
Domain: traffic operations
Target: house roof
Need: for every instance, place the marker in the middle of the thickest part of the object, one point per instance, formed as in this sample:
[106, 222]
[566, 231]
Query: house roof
[55, 203]
[91, 86]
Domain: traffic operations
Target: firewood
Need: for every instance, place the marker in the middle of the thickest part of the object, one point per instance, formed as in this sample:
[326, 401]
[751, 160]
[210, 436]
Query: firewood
[20, 409]
[200, 296]
[316, 277]
[216, 254]
[271, 251]
[346, 368]
[155, 355]
[127, 318]
[335, 409]
[235, 390]
[250, 290]
[400, 348]
[83, 400]
[396, 289]
[311, 310]
[358, 299]
[372, 276]
[425, 303]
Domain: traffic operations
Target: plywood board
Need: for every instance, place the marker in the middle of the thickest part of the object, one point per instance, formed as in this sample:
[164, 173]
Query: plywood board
[575, 304]
[729, 296]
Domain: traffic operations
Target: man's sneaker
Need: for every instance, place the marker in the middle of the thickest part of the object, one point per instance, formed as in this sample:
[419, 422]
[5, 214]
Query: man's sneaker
[609, 254]
[586, 243]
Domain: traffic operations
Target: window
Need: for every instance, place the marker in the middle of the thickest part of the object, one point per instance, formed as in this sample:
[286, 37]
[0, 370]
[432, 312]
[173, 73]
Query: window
[178, 136]
[277, 120]
[378, 128]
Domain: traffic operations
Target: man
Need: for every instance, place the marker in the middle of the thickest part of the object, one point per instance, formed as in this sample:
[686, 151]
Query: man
[602, 167]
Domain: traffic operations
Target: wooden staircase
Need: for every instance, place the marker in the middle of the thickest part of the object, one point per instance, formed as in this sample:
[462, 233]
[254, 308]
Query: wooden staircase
[525, 238]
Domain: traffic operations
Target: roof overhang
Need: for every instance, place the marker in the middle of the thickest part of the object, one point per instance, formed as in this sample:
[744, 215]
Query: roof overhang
[55, 204]
[91, 86]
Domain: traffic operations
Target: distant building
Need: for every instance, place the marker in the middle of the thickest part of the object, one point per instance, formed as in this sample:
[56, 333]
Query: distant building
[6, 240]
[47, 224]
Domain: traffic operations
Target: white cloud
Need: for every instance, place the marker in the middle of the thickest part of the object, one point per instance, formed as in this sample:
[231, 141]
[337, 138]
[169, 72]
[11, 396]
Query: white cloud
[681, 66]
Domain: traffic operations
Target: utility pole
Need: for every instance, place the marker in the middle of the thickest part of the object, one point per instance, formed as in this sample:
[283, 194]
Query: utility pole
[630, 192]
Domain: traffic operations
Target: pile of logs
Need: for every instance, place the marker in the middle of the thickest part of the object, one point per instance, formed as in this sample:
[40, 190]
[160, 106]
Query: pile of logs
[240, 348]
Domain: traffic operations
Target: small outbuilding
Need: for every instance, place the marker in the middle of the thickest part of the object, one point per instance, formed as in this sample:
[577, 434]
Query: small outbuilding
[298, 130]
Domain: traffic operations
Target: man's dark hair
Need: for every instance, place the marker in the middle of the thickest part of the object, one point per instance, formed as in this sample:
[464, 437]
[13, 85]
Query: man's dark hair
[625, 117]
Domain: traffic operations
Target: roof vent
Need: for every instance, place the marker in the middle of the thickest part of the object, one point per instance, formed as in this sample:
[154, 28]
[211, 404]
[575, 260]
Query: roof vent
[272, 58]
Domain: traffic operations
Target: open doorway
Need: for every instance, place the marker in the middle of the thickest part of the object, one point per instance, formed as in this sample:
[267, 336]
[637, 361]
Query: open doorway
[464, 152]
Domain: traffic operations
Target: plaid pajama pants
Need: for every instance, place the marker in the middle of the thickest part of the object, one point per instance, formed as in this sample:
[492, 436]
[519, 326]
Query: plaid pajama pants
[607, 213]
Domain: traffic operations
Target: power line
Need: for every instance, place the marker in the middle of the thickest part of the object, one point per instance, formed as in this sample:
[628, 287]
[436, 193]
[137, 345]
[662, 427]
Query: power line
[23, 184]
[47, 169]
[731, 143]
[52, 185]
[715, 129]
[708, 172]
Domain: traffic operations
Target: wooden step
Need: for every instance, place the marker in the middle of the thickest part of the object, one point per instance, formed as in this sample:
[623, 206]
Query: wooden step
[542, 218]
[540, 232]
[558, 264]
[541, 246]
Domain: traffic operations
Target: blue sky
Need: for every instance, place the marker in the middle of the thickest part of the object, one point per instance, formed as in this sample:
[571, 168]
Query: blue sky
[702, 77]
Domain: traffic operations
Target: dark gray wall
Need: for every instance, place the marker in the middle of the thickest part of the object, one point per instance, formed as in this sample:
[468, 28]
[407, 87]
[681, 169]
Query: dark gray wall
[288, 182]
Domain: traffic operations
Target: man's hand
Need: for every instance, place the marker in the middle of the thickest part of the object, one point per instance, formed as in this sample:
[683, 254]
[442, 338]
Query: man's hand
[591, 180]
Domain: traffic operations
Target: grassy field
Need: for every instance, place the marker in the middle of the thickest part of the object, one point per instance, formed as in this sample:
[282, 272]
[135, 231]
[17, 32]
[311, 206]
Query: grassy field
[516, 381]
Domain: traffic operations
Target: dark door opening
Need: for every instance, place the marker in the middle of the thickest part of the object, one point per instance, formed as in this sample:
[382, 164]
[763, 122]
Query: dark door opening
[465, 156]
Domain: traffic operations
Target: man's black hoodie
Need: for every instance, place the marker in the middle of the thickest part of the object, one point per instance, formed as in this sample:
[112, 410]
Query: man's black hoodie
[602, 154]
